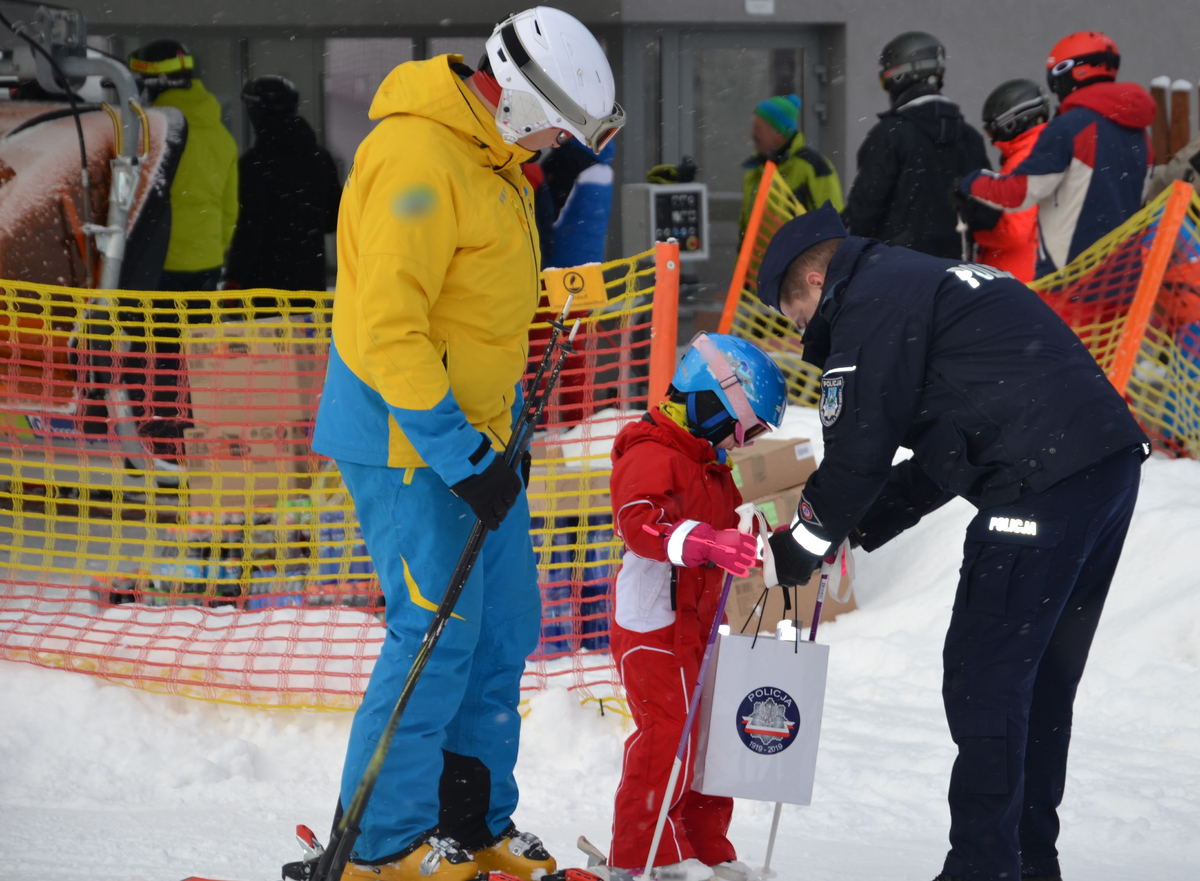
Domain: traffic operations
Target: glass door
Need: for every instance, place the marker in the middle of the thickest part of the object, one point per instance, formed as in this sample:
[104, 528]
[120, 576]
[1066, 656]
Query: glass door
[722, 77]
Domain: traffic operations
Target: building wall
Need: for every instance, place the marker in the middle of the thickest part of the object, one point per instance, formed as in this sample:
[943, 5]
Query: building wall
[986, 43]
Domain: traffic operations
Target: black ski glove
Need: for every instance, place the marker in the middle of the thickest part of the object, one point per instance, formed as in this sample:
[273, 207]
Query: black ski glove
[490, 494]
[793, 565]
[978, 216]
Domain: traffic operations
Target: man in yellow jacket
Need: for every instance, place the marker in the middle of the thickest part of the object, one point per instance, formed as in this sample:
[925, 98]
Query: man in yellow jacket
[204, 191]
[437, 285]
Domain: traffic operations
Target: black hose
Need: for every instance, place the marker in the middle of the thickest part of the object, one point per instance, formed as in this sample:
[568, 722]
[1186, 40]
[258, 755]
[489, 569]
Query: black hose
[61, 79]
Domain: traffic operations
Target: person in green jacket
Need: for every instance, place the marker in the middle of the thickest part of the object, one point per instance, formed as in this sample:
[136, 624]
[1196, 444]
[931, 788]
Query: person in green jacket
[776, 137]
[204, 210]
[204, 193]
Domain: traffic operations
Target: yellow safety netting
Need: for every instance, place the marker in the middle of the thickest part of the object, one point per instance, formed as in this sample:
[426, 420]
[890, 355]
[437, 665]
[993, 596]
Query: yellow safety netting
[164, 523]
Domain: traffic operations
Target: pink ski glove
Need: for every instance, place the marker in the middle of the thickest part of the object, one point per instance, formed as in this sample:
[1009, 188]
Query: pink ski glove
[692, 543]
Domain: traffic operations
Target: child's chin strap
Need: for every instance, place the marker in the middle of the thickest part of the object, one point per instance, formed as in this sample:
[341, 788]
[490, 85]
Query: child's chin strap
[730, 384]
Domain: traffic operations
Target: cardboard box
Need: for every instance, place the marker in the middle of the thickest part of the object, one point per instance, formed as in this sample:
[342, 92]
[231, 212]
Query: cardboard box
[745, 593]
[771, 466]
[253, 373]
[254, 390]
[779, 508]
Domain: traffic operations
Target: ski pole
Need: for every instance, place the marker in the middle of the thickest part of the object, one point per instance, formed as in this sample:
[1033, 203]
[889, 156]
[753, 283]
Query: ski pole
[963, 230]
[333, 860]
[825, 567]
[687, 728]
[766, 871]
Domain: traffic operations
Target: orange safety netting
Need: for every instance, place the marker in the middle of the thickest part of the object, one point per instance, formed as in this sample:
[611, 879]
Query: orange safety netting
[1134, 299]
[745, 315]
[164, 523]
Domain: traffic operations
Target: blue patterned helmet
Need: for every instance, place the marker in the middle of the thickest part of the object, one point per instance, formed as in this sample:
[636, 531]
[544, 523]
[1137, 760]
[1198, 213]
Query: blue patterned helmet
[749, 385]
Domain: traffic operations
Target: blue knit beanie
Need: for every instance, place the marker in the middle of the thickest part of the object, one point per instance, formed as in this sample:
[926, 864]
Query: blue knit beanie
[780, 113]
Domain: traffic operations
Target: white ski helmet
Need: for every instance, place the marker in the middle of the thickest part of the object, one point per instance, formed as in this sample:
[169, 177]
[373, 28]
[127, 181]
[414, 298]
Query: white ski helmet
[552, 74]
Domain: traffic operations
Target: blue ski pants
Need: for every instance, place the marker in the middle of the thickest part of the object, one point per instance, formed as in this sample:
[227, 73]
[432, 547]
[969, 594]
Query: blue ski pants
[1034, 579]
[463, 713]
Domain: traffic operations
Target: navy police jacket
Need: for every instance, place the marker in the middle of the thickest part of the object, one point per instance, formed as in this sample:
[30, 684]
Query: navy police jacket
[960, 363]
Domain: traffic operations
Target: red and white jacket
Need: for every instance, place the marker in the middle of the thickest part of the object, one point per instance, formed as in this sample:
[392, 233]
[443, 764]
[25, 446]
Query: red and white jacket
[1087, 173]
[661, 475]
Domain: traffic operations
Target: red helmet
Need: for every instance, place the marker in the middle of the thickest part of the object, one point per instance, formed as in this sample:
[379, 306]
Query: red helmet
[1081, 59]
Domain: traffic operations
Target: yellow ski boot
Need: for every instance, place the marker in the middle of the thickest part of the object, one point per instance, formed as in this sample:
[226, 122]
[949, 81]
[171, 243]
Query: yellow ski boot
[435, 859]
[516, 853]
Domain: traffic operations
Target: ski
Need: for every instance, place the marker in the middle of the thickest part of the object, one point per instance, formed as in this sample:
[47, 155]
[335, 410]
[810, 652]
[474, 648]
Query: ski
[598, 863]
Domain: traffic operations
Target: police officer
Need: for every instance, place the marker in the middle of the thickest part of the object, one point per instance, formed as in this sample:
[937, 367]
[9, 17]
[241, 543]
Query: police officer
[1001, 404]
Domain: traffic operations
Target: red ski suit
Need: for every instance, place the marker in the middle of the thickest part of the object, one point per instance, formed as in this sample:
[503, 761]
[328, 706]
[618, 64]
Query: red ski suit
[661, 475]
[1012, 244]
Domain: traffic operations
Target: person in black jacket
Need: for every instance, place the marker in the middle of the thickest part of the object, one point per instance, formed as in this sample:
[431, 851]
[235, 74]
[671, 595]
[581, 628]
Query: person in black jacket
[1002, 405]
[289, 194]
[911, 159]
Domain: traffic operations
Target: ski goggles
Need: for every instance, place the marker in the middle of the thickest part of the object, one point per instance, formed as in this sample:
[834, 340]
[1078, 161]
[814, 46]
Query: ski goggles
[1006, 120]
[178, 64]
[1110, 60]
[596, 132]
[748, 426]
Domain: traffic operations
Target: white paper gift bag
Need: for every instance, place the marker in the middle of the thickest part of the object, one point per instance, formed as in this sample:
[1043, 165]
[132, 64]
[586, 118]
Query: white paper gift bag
[760, 719]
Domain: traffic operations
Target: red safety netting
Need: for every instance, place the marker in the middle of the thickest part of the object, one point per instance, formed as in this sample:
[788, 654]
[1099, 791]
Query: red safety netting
[164, 523]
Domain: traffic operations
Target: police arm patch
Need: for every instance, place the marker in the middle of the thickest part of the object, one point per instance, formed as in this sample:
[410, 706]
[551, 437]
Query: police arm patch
[833, 398]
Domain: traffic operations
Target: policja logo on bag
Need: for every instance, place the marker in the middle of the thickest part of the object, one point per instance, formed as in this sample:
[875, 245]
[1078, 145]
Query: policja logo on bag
[768, 721]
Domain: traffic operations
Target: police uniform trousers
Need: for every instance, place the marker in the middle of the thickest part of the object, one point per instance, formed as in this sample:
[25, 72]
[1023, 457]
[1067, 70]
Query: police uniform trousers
[1034, 579]
[451, 763]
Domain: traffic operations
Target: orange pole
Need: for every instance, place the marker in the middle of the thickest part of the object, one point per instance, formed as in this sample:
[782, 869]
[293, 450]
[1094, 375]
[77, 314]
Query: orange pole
[1148, 285]
[664, 319]
[743, 262]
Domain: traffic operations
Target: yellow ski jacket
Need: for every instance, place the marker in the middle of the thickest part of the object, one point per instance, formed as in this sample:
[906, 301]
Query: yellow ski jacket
[437, 282]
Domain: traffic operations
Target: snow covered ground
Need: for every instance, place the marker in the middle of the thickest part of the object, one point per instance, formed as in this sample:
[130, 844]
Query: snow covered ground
[101, 782]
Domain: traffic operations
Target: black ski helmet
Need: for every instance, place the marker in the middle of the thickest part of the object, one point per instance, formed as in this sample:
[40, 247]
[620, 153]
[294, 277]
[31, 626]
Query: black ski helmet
[913, 57]
[270, 96]
[1014, 107]
[162, 65]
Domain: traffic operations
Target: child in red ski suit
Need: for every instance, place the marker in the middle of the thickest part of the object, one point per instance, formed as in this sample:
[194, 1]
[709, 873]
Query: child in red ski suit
[674, 501]
[662, 476]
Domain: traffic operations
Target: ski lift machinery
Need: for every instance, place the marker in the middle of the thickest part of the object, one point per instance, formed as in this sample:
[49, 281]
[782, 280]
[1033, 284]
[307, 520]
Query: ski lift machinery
[60, 35]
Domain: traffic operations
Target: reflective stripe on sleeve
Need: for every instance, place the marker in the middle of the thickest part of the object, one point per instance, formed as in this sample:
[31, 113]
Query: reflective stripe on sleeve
[675, 542]
[812, 543]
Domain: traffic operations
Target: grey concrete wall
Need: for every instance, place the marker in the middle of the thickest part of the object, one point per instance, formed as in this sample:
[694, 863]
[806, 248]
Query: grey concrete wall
[987, 42]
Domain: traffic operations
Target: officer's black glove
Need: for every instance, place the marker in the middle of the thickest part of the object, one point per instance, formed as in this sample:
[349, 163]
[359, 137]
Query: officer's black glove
[490, 494]
[793, 565]
[526, 467]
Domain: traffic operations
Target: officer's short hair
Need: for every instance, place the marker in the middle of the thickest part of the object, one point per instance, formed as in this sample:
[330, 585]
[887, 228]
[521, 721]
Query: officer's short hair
[815, 259]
